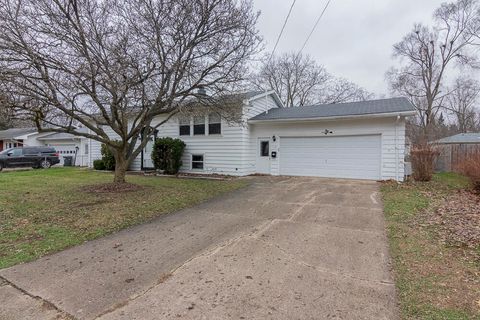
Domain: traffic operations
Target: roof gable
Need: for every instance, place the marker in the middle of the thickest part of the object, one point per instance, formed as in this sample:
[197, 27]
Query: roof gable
[255, 95]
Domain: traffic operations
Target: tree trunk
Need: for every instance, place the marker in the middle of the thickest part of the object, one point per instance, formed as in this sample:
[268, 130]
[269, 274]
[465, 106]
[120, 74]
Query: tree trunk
[121, 166]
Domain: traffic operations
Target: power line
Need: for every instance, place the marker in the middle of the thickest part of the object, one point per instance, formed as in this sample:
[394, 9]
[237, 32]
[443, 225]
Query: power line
[283, 28]
[315, 26]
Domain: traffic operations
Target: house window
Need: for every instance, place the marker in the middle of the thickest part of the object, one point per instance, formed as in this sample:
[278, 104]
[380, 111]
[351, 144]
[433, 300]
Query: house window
[197, 161]
[198, 125]
[214, 124]
[264, 148]
[86, 148]
[184, 126]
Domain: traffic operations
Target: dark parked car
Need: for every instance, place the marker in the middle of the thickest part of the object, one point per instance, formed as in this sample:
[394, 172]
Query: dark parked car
[35, 157]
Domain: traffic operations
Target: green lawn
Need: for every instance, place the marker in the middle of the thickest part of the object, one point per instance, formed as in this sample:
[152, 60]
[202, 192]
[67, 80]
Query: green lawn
[43, 211]
[434, 281]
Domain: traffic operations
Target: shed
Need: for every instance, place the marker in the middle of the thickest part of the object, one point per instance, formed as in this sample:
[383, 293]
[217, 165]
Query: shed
[455, 149]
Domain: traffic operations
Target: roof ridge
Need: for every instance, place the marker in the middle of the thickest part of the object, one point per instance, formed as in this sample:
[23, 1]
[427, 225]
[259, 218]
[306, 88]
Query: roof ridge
[359, 108]
[346, 103]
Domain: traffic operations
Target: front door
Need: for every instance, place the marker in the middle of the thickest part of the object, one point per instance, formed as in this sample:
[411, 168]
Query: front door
[147, 153]
[263, 156]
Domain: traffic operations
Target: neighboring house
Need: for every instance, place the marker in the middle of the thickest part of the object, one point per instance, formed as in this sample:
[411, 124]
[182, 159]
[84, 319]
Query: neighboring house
[455, 149]
[360, 140]
[65, 144]
[15, 137]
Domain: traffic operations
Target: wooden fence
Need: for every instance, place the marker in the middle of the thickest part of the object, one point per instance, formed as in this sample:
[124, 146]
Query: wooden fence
[451, 155]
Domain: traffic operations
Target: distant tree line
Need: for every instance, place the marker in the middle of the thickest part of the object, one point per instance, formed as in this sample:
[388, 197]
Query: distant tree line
[299, 81]
[428, 57]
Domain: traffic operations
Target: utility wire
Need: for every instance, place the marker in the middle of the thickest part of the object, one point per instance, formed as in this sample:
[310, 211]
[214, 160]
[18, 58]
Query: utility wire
[281, 31]
[276, 44]
[315, 26]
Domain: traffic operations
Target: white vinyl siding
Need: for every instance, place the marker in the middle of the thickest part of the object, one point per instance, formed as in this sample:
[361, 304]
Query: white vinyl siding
[222, 152]
[254, 108]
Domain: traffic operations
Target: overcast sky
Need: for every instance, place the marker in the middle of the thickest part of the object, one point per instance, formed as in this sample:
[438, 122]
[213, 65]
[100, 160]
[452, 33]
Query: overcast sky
[353, 39]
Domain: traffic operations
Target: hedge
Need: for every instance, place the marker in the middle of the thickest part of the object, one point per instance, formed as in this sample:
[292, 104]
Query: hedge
[167, 154]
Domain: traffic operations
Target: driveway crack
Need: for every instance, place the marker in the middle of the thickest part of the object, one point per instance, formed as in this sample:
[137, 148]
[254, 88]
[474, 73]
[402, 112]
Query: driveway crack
[323, 270]
[45, 302]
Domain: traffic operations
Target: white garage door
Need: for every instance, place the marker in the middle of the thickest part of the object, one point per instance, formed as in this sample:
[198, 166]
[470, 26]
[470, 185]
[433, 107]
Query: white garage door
[64, 150]
[356, 157]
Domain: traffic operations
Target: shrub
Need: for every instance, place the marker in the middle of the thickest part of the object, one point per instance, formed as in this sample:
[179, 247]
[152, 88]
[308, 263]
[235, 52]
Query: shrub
[470, 167]
[167, 154]
[423, 159]
[108, 158]
[98, 164]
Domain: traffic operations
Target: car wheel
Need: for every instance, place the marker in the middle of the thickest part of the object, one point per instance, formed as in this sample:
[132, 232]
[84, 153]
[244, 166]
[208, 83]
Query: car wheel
[45, 164]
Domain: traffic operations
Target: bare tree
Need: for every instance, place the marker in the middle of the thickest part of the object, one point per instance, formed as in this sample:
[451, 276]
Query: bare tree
[462, 103]
[5, 113]
[427, 53]
[299, 80]
[295, 77]
[339, 90]
[116, 65]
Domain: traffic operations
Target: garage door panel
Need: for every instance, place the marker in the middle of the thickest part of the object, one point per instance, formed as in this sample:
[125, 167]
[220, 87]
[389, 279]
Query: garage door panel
[357, 157]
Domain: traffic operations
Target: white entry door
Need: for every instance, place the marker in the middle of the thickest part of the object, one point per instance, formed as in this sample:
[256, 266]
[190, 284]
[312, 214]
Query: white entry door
[263, 156]
[147, 153]
[355, 157]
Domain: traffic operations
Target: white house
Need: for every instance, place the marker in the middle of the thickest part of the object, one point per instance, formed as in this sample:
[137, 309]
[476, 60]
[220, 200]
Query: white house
[64, 144]
[359, 140]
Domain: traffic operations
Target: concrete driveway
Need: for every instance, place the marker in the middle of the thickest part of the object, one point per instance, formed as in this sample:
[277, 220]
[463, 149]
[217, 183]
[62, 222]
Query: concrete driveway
[283, 248]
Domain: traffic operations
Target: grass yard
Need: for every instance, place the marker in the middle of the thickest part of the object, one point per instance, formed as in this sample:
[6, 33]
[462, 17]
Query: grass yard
[435, 279]
[44, 211]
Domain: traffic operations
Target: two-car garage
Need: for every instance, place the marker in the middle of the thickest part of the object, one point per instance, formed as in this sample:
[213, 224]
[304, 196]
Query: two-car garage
[355, 157]
[354, 140]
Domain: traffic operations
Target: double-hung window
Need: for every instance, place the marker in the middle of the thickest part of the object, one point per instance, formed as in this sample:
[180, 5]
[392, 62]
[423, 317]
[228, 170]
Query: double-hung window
[184, 126]
[198, 125]
[214, 124]
[197, 161]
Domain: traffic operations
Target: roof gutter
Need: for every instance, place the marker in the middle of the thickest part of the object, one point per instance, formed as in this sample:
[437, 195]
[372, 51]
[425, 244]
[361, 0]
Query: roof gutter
[360, 116]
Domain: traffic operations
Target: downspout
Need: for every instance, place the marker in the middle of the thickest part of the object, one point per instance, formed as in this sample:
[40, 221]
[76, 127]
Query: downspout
[90, 164]
[396, 148]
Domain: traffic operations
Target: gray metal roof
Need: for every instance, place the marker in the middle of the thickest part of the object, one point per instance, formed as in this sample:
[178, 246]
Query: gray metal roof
[15, 132]
[461, 138]
[380, 106]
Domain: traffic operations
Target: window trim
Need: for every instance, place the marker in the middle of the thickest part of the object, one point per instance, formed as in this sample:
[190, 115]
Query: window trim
[214, 123]
[204, 126]
[190, 131]
[203, 161]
